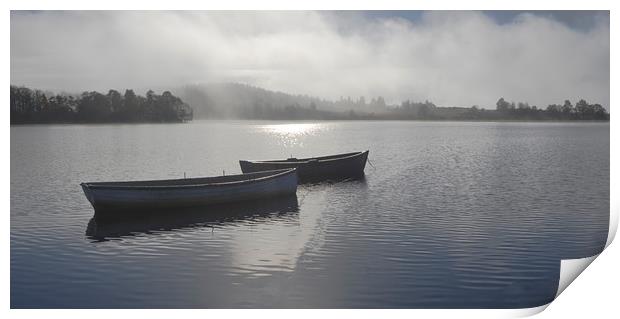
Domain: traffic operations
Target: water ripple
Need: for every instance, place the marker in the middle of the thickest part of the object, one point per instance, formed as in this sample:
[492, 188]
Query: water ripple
[452, 215]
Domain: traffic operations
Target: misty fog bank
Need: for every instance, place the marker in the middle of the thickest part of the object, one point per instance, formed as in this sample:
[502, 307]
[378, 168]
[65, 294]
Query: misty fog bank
[451, 58]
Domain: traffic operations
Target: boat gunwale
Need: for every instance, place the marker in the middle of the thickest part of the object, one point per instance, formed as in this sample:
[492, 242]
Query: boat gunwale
[93, 185]
[343, 156]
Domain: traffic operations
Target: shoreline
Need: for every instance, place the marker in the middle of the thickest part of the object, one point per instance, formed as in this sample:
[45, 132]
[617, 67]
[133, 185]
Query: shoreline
[317, 120]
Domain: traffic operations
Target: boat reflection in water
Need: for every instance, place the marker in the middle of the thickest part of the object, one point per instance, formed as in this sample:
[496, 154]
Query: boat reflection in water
[101, 227]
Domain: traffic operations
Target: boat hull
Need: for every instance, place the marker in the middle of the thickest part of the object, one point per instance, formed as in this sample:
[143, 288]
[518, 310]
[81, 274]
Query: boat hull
[110, 197]
[315, 169]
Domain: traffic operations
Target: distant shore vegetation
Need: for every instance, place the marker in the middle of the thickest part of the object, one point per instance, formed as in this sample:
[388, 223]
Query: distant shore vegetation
[30, 106]
[240, 101]
[505, 111]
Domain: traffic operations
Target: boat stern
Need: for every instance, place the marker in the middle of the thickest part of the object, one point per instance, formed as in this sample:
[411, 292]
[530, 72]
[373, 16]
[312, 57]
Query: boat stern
[88, 193]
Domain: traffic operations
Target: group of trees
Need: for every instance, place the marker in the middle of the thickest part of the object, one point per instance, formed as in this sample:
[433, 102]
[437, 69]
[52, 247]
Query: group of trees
[416, 109]
[581, 111]
[376, 104]
[505, 111]
[35, 106]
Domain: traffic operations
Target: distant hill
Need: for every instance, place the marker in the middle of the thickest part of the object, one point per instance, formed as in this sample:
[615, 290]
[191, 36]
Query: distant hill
[235, 100]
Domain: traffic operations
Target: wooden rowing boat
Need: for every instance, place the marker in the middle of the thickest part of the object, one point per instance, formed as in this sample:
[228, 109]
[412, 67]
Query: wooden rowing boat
[315, 169]
[189, 192]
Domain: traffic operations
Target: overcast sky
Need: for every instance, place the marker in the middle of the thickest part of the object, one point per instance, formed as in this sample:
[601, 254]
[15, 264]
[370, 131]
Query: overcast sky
[451, 58]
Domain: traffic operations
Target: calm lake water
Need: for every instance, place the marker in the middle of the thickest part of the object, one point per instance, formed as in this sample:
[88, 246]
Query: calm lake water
[450, 215]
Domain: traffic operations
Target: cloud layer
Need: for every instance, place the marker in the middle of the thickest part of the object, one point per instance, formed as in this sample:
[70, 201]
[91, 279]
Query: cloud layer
[451, 58]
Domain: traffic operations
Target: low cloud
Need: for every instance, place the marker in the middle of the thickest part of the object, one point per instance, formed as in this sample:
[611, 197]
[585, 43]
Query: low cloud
[450, 58]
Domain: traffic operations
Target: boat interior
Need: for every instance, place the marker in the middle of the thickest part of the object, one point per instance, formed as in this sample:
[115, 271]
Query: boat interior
[195, 181]
[320, 158]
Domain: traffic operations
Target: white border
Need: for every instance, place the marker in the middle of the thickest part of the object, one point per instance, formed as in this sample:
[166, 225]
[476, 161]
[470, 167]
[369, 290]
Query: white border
[593, 293]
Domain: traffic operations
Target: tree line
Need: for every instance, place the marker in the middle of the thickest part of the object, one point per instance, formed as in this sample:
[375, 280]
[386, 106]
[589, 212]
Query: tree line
[242, 101]
[411, 110]
[505, 111]
[247, 102]
[36, 106]
[581, 111]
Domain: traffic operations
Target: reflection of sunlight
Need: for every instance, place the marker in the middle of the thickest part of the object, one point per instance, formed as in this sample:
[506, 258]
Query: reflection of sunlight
[277, 246]
[290, 134]
[292, 129]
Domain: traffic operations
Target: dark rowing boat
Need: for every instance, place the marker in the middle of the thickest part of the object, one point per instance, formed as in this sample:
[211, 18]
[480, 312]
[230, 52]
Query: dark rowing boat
[189, 192]
[315, 169]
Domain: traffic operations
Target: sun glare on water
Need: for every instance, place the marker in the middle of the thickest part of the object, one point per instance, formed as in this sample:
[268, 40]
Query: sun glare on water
[292, 129]
[292, 134]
